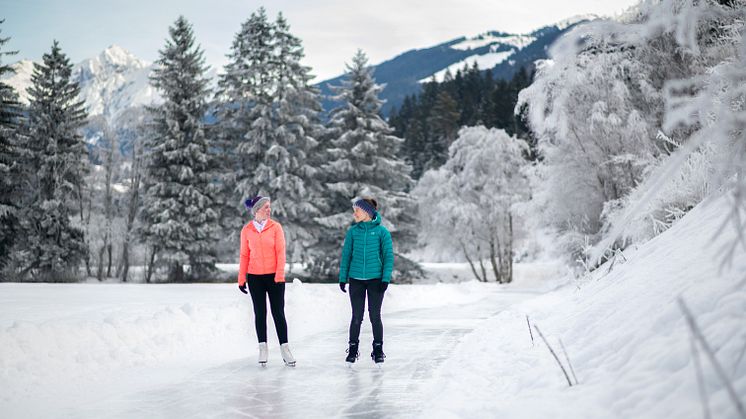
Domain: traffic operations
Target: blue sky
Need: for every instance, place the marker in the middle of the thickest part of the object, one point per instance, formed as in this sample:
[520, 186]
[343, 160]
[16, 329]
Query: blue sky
[331, 30]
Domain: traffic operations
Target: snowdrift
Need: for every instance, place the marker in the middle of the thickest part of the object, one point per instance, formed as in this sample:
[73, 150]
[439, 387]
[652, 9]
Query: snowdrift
[624, 332]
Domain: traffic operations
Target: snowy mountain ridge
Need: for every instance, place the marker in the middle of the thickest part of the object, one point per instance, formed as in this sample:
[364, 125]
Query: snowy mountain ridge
[113, 81]
[502, 53]
[500, 46]
[109, 83]
[116, 80]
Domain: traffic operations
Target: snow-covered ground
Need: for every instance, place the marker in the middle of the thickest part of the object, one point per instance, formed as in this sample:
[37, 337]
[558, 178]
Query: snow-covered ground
[76, 350]
[625, 335]
[454, 349]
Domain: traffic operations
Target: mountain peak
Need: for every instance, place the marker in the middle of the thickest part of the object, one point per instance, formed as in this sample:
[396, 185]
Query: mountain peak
[118, 56]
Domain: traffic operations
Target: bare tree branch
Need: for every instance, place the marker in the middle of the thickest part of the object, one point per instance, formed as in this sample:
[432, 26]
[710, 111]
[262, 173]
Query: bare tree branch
[553, 354]
[569, 364]
[700, 379]
[697, 333]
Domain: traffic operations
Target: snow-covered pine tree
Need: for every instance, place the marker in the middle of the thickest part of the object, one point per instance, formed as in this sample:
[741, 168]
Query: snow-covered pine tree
[244, 94]
[268, 120]
[179, 208]
[9, 113]
[364, 162]
[295, 158]
[55, 162]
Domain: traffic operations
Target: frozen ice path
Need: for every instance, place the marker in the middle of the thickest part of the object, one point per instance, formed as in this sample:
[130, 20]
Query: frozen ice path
[322, 385]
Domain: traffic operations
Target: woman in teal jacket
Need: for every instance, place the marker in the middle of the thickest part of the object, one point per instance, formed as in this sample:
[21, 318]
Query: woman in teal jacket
[367, 263]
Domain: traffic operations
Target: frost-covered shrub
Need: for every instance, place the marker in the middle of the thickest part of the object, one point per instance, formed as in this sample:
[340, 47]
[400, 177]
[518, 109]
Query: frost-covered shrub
[613, 106]
[467, 205]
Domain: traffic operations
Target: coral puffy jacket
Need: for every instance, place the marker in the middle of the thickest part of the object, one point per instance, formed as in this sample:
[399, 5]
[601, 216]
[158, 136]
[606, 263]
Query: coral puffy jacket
[262, 252]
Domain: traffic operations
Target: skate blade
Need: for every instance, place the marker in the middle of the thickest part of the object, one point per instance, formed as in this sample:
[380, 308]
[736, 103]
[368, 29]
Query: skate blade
[263, 364]
[290, 364]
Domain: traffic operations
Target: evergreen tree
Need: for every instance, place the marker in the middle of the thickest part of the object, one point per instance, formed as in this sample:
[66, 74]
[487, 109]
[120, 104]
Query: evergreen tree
[295, 158]
[364, 161]
[179, 205]
[243, 84]
[9, 114]
[244, 125]
[444, 123]
[55, 163]
[270, 118]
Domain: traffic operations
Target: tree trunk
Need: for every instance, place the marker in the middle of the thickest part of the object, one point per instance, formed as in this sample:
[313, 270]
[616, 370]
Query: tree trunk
[471, 263]
[125, 262]
[149, 267]
[493, 262]
[86, 223]
[108, 252]
[100, 270]
[134, 203]
[509, 245]
[481, 264]
[176, 272]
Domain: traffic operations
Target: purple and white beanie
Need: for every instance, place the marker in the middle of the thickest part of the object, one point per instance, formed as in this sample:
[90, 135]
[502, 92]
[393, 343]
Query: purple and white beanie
[255, 203]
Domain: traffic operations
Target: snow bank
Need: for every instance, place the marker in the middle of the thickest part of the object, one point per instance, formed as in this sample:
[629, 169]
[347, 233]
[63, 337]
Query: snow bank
[624, 332]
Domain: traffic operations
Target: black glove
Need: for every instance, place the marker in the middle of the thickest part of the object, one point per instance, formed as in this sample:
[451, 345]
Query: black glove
[384, 285]
[243, 288]
[342, 286]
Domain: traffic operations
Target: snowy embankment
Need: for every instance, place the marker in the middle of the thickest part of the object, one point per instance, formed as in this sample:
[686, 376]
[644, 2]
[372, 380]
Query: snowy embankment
[624, 332]
[64, 345]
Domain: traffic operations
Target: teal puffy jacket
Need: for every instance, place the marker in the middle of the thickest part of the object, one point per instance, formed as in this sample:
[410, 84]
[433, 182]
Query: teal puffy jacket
[368, 252]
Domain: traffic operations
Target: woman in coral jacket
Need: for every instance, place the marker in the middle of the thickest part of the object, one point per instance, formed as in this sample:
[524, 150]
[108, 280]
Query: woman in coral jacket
[262, 268]
[367, 263]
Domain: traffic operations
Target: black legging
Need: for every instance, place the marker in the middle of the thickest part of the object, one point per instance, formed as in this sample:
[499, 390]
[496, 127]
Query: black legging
[358, 289]
[259, 287]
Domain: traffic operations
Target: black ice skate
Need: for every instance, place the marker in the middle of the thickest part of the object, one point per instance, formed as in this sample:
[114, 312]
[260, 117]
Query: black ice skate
[352, 353]
[377, 355]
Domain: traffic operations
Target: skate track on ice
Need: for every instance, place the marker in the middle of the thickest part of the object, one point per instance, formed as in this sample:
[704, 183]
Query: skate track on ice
[416, 342]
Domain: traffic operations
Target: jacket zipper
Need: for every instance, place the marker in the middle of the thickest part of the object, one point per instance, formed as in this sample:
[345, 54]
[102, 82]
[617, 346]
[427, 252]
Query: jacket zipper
[365, 246]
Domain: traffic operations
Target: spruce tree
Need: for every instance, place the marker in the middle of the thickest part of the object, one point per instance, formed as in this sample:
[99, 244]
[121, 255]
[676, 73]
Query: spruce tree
[9, 114]
[444, 126]
[295, 157]
[269, 120]
[55, 162]
[179, 205]
[244, 110]
[364, 162]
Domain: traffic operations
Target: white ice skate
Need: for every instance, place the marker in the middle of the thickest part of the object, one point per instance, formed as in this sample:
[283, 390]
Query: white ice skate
[263, 353]
[286, 355]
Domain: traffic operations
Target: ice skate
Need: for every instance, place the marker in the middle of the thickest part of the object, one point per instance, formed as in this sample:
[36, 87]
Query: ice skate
[352, 354]
[377, 355]
[263, 353]
[286, 355]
